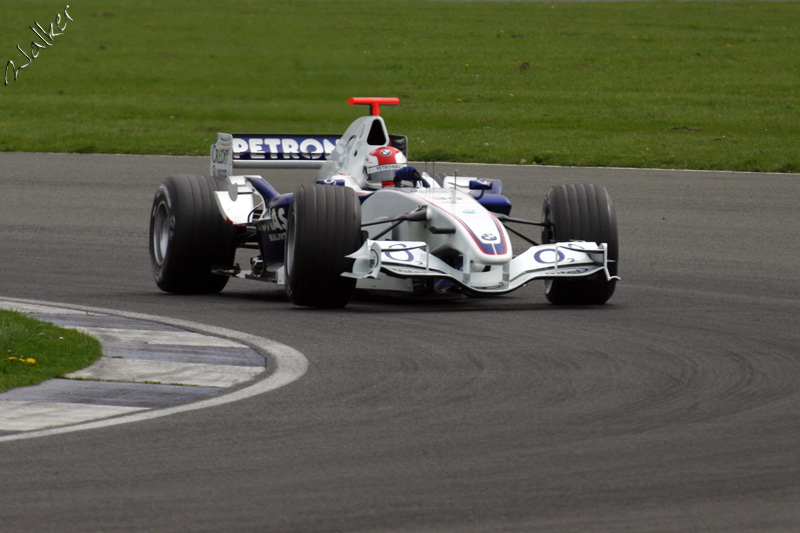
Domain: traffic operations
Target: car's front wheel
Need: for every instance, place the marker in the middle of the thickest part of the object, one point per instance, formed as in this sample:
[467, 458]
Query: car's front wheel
[584, 213]
[188, 236]
[324, 226]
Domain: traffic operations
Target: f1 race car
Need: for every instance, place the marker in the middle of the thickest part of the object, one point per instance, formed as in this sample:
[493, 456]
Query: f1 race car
[370, 221]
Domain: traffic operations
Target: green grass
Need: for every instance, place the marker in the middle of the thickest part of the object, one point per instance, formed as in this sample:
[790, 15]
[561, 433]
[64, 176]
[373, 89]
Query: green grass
[709, 85]
[32, 351]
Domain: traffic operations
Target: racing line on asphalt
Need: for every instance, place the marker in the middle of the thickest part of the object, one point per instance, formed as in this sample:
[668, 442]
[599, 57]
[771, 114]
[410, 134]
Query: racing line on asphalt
[151, 367]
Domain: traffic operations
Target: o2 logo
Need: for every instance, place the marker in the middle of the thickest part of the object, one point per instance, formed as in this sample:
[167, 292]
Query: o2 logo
[549, 257]
[405, 255]
[401, 255]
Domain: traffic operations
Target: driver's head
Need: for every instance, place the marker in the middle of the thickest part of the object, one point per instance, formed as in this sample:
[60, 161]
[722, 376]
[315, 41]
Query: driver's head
[381, 165]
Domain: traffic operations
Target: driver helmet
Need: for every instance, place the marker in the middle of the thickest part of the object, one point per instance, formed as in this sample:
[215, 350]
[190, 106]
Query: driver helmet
[381, 165]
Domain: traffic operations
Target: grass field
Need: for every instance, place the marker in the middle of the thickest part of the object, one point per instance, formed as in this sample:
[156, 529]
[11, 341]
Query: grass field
[676, 84]
[32, 351]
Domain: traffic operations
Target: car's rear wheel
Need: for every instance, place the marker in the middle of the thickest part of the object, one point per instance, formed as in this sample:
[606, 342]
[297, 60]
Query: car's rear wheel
[189, 237]
[585, 213]
[324, 226]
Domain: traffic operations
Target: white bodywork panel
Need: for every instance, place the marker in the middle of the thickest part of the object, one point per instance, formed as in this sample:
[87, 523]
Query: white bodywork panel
[475, 231]
[239, 202]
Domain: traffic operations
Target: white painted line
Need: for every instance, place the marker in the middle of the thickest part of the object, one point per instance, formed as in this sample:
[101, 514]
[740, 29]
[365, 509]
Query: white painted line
[168, 338]
[167, 372]
[29, 416]
[534, 166]
[289, 365]
[37, 308]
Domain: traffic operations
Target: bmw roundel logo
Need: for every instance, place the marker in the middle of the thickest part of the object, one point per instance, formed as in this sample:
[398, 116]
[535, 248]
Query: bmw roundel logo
[489, 237]
[386, 152]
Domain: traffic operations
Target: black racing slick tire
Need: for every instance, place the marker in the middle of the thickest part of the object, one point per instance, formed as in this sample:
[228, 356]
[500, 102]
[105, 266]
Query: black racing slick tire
[585, 213]
[324, 226]
[189, 237]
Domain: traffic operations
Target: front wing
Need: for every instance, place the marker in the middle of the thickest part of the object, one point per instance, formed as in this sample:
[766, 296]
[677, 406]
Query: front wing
[412, 259]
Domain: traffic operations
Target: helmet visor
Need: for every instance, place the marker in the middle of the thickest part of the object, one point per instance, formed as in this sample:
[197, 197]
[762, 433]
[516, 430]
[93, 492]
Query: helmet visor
[381, 173]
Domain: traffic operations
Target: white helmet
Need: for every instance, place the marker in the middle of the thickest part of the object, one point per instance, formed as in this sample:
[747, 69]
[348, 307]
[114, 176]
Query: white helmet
[381, 165]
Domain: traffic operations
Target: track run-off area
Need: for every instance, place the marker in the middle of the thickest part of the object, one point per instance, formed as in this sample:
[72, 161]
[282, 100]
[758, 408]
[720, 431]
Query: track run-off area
[672, 408]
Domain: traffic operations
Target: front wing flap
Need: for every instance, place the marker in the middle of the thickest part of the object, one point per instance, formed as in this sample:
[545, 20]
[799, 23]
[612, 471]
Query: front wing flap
[412, 259]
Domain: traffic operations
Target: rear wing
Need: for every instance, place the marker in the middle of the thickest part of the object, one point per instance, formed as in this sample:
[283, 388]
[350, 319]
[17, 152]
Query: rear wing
[258, 151]
[277, 151]
[254, 151]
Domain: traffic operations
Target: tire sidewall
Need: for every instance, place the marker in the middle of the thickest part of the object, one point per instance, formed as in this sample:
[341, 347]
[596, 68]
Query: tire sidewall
[162, 267]
[193, 239]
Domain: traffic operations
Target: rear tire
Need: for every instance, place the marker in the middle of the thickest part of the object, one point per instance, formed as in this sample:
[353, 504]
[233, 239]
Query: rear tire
[585, 213]
[188, 236]
[324, 226]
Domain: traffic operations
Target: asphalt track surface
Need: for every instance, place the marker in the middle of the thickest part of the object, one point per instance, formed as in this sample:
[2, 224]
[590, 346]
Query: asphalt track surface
[673, 408]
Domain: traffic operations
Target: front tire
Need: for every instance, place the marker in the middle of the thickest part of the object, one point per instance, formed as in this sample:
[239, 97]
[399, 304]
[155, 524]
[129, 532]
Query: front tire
[324, 226]
[188, 236]
[584, 213]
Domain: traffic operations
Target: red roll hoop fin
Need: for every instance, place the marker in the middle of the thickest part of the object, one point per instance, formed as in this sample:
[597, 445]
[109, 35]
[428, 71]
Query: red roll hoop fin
[374, 103]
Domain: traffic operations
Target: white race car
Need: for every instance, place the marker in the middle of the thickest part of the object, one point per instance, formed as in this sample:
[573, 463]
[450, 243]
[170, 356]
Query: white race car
[371, 222]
